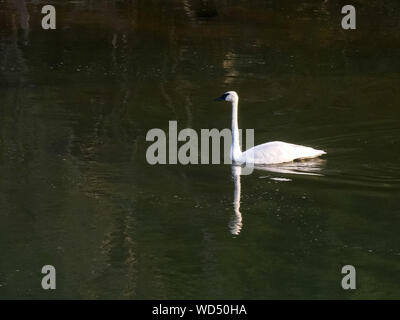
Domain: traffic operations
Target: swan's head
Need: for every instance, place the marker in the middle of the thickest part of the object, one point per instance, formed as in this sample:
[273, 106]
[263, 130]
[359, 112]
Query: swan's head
[228, 96]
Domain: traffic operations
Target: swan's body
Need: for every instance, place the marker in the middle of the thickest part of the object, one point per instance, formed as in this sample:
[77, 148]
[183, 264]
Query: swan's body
[277, 152]
[266, 153]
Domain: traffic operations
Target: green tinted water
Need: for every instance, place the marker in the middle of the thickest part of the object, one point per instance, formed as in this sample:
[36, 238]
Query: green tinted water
[76, 191]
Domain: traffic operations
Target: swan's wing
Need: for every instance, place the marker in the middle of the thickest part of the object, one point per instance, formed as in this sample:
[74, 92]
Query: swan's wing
[279, 152]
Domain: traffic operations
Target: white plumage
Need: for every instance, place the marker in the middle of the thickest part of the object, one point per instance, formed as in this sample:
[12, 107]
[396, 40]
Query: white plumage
[266, 153]
[277, 152]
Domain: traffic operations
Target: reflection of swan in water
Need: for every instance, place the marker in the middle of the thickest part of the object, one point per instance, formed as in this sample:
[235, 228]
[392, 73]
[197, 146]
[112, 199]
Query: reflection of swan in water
[236, 223]
[310, 167]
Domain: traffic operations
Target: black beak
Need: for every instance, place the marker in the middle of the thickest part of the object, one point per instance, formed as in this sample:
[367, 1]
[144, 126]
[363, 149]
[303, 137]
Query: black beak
[221, 98]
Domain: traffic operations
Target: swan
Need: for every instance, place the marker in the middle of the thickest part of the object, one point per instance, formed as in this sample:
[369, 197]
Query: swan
[267, 153]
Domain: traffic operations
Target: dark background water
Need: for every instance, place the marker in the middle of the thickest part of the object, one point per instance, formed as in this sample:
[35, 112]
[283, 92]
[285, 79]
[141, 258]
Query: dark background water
[76, 191]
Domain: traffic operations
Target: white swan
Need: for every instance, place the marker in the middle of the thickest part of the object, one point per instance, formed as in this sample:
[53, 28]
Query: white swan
[266, 153]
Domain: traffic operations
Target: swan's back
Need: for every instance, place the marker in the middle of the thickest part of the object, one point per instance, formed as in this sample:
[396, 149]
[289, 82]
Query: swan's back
[278, 152]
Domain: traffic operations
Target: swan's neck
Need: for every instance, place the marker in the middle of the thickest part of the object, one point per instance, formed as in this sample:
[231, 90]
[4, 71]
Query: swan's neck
[235, 151]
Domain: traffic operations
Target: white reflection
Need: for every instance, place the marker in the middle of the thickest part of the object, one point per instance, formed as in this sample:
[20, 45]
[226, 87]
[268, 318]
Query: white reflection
[236, 223]
[312, 167]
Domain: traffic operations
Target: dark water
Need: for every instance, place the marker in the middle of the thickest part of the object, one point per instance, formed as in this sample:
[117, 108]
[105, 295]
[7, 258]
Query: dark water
[76, 191]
